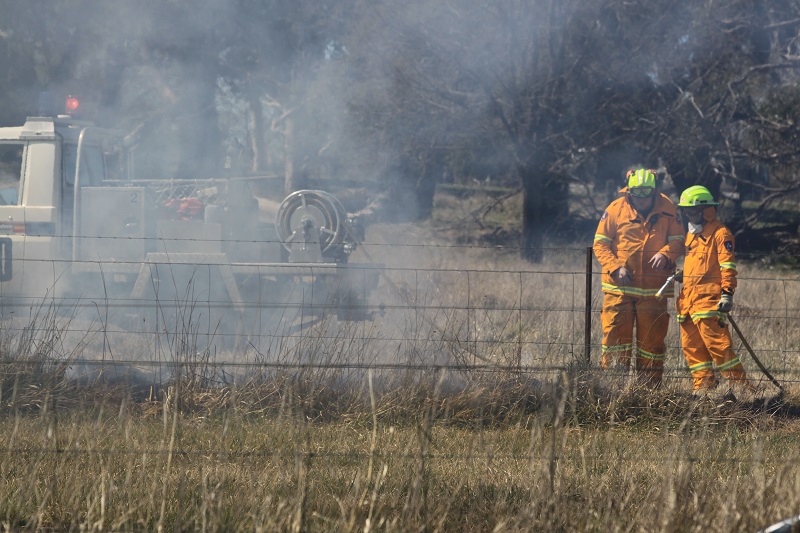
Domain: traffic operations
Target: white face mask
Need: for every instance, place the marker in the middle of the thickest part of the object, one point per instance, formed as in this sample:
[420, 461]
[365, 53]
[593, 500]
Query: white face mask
[695, 228]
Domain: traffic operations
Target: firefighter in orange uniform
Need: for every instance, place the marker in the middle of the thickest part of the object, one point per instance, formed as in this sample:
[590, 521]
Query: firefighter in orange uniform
[637, 242]
[709, 281]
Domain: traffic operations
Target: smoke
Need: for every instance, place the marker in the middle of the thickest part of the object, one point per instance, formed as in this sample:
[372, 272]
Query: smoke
[369, 86]
[388, 96]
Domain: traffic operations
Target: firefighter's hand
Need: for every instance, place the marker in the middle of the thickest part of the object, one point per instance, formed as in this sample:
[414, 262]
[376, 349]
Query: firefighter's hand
[659, 262]
[678, 276]
[624, 276]
[725, 303]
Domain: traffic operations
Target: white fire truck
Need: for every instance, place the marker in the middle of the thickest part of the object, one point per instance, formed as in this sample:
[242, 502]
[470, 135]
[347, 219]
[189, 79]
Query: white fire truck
[76, 228]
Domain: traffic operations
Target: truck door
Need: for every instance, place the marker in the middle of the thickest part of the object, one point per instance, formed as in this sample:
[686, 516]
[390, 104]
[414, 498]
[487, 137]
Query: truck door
[88, 163]
[12, 214]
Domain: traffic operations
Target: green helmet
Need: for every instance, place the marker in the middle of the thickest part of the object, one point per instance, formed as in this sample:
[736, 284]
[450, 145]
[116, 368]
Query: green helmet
[642, 177]
[696, 195]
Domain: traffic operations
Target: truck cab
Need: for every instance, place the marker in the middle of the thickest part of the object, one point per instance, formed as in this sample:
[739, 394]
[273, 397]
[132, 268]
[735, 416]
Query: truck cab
[41, 164]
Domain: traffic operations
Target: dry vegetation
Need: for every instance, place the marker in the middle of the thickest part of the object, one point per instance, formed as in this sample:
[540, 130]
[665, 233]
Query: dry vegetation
[409, 438]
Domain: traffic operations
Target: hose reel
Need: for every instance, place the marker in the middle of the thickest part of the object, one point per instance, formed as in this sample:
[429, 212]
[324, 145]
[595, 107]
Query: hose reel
[312, 224]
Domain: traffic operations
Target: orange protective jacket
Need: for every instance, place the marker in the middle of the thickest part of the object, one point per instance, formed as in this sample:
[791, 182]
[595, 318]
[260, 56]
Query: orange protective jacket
[624, 238]
[708, 270]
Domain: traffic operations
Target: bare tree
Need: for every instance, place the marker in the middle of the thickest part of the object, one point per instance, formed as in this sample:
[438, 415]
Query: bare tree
[566, 90]
[505, 75]
[542, 93]
[726, 101]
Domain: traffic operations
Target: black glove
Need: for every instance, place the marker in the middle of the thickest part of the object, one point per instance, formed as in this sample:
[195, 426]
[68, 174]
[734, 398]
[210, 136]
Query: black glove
[725, 303]
[678, 276]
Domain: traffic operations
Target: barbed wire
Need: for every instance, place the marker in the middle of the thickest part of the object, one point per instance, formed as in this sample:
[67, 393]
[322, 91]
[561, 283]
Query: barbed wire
[379, 454]
[567, 247]
[464, 320]
[305, 269]
[177, 365]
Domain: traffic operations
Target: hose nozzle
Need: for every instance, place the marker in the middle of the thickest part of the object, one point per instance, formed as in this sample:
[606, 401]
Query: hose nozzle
[660, 293]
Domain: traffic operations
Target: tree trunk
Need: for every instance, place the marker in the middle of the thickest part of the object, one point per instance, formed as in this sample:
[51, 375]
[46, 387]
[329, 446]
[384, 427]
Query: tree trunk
[288, 156]
[425, 187]
[200, 144]
[532, 237]
[545, 204]
[255, 123]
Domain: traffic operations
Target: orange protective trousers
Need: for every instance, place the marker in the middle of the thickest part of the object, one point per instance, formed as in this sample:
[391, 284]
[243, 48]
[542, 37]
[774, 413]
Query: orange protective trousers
[705, 342]
[619, 315]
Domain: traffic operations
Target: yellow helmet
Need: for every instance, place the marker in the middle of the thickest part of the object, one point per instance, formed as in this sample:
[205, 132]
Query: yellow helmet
[696, 195]
[641, 182]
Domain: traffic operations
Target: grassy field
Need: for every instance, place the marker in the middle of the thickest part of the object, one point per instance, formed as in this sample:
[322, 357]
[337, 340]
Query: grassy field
[289, 455]
[531, 441]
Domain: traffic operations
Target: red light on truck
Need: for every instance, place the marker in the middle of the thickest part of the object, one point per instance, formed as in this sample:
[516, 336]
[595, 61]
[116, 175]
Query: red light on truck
[72, 104]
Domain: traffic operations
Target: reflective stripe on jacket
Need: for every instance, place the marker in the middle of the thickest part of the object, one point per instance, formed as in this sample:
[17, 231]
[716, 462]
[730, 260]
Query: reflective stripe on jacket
[624, 238]
[709, 269]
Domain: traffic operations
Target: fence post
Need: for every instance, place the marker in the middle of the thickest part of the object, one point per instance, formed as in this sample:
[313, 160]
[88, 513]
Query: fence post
[587, 325]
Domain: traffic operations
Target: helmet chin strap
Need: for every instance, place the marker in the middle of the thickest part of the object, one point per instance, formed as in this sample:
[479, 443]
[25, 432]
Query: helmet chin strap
[695, 228]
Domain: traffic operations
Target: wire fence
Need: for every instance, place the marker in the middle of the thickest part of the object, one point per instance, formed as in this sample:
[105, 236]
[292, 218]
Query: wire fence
[427, 316]
[533, 319]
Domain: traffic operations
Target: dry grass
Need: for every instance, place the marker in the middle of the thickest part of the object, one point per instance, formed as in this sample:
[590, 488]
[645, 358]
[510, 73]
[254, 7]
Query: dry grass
[533, 441]
[499, 457]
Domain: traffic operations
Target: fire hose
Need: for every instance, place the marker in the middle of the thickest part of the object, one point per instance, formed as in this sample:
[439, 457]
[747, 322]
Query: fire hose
[752, 353]
[660, 295]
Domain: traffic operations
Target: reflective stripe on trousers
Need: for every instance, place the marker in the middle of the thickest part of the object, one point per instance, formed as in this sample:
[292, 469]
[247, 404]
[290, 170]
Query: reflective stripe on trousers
[707, 341]
[620, 314]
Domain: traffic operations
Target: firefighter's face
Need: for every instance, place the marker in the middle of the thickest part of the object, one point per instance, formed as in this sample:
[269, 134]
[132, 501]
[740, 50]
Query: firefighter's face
[694, 214]
[641, 203]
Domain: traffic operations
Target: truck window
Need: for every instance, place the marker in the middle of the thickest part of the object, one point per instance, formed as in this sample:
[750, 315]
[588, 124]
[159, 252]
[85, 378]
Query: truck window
[92, 167]
[11, 156]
